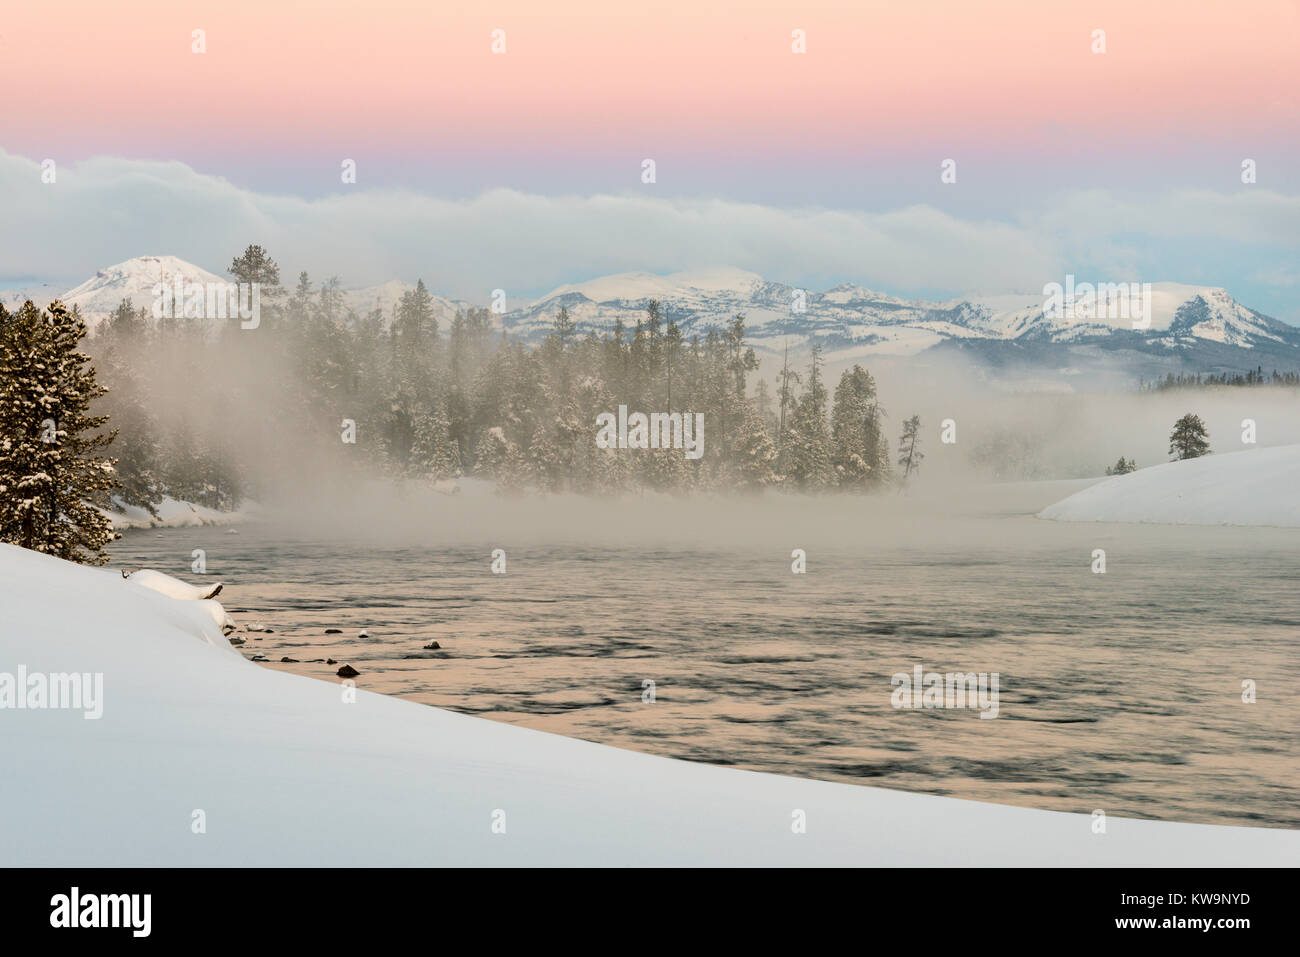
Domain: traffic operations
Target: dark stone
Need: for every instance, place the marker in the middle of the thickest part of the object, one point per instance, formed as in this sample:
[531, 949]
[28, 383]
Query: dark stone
[347, 671]
[330, 661]
[333, 631]
[286, 660]
[432, 646]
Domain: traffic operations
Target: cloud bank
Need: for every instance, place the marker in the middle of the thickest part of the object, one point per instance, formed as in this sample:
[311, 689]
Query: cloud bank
[105, 210]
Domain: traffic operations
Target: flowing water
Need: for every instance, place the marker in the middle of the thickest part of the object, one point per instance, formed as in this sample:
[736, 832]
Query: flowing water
[1119, 691]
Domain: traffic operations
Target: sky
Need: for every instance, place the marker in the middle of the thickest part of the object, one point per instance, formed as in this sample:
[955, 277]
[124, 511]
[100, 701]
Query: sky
[524, 168]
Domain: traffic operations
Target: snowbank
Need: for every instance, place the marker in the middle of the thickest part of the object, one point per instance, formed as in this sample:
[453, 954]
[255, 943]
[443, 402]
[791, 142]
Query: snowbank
[282, 771]
[174, 514]
[172, 587]
[1258, 487]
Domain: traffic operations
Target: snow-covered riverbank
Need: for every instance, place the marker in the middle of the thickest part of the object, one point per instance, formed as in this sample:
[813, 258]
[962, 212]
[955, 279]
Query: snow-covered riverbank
[1257, 487]
[174, 514]
[282, 770]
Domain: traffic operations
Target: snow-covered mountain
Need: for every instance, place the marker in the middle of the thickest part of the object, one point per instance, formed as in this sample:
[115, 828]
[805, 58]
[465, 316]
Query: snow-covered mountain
[41, 293]
[134, 279]
[1200, 327]
[1190, 326]
[850, 316]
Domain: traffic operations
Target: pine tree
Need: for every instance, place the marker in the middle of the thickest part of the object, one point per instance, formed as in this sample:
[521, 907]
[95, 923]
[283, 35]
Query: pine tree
[860, 455]
[434, 455]
[126, 325]
[416, 324]
[137, 454]
[810, 465]
[755, 454]
[50, 471]
[255, 265]
[787, 377]
[1190, 438]
[909, 456]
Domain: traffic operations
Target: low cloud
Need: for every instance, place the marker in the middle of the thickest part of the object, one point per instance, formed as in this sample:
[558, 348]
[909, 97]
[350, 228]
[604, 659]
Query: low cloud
[105, 210]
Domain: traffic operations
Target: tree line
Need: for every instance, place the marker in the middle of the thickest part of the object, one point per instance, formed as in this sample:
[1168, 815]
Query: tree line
[209, 412]
[1201, 380]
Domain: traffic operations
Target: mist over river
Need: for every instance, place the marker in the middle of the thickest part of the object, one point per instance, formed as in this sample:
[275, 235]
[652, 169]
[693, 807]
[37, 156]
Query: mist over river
[1119, 691]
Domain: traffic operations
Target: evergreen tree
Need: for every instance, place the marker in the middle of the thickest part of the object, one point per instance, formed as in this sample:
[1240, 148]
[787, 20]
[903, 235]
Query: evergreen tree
[127, 325]
[860, 454]
[1190, 438]
[434, 455]
[787, 377]
[755, 465]
[416, 325]
[51, 474]
[909, 455]
[137, 454]
[1122, 467]
[810, 466]
[255, 265]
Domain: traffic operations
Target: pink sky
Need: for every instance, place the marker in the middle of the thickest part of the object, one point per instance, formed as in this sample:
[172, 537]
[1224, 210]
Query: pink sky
[414, 79]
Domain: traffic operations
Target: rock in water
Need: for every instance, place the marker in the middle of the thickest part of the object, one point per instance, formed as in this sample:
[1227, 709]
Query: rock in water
[364, 634]
[347, 671]
[432, 646]
[333, 631]
[286, 660]
[330, 661]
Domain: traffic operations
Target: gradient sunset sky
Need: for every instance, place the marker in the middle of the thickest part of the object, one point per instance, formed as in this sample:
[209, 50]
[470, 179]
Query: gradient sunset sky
[858, 125]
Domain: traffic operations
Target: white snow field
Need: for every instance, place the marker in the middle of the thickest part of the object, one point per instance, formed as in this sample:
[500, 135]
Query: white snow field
[1257, 487]
[284, 772]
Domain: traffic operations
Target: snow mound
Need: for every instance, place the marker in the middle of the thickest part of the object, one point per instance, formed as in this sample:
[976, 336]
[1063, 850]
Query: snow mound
[291, 771]
[1258, 487]
[172, 587]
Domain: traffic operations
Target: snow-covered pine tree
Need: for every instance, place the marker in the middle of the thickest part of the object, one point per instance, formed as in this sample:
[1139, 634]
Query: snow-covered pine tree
[859, 452]
[434, 455]
[755, 455]
[50, 469]
[809, 452]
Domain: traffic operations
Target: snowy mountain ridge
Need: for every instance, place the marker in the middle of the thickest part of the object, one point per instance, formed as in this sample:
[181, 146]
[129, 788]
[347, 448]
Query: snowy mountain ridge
[1189, 324]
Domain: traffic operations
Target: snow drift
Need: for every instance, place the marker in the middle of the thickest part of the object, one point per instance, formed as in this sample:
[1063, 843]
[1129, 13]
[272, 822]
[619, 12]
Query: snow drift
[283, 770]
[1258, 487]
